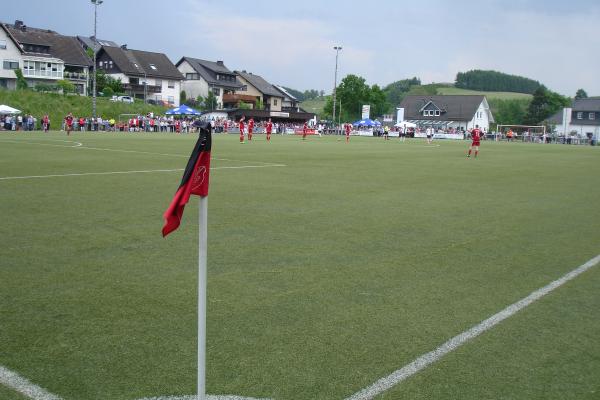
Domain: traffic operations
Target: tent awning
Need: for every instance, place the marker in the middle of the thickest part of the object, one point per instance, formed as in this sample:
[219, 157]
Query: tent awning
[4, 109]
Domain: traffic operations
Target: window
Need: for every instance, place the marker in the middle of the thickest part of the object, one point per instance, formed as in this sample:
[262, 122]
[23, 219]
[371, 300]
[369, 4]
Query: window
[592, 116]
[580, 115]
[158, 82]
[153, 66]
[244, 88]
[192, 76]
[171, 84]
[100, 64]
[10, 64]
[134, 81]
[216, 91]
[2, 44]
[171, 100]
[274, 102]
[437, 113]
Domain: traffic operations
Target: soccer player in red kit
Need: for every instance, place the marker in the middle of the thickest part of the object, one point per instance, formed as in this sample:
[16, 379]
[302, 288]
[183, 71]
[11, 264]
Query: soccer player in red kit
[242, 129]
[69, 123]
[348, 129]
[476, 141]
[304, 129]
[250, 128]
[269, 129]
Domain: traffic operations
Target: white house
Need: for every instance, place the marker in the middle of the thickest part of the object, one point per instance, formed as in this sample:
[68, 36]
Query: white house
[144, 74]
[581, 119]
[43, 56]
[447, 112]
[202, 77]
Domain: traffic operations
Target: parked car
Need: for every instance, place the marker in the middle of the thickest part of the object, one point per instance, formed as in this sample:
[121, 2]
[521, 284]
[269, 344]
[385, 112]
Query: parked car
[124, 99]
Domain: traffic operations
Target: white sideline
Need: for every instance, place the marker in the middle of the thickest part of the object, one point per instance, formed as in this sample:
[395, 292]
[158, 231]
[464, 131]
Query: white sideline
[8, 178]
[208, 397]
[24, 386]
[425, 360]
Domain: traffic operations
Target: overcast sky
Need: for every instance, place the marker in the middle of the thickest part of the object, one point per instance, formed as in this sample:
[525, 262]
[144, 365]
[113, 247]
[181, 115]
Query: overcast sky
[291, 43]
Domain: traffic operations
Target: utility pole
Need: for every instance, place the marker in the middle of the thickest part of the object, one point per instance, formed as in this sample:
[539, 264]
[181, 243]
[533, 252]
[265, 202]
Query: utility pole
[337, 50]
[96, 3]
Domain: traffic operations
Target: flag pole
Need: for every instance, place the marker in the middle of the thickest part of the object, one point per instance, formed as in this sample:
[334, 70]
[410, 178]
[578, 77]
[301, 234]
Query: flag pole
[202, 295]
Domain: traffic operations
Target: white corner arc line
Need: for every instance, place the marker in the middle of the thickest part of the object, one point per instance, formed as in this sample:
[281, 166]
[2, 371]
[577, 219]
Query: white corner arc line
[8, 178]
[24, 386]
[425, 360]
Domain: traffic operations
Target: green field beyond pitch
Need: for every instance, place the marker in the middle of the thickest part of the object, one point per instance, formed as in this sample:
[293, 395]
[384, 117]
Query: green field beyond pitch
[330, 266]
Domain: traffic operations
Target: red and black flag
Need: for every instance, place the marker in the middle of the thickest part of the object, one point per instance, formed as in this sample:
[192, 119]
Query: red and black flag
[194, 181]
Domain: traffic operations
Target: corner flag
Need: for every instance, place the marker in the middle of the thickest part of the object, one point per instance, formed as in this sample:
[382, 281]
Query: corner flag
[194, 181]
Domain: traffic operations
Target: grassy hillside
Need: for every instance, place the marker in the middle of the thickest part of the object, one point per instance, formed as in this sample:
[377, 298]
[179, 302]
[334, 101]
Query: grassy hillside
[490, 95]
[314, 105]
[57, 106]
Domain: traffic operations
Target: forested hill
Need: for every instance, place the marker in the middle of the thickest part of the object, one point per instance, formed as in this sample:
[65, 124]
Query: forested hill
[495, 81]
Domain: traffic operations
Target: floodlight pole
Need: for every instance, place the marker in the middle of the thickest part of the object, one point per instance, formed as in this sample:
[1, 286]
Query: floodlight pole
[337, 50]
[96, 3]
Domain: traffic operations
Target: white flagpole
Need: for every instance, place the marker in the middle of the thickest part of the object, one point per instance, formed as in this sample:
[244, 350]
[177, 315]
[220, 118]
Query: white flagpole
[202, 246]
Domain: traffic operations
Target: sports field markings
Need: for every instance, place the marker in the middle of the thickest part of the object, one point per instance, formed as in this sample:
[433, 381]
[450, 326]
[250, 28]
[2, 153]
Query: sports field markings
[81, 146]
[22, 385]
[425, 360]
[8, 178]
[75, 144]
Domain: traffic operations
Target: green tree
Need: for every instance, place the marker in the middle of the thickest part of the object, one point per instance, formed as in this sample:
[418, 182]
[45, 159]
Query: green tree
[543, 105]
[396, 91]
[21, 81]
[259, 104]
[182, 97]
[510, 111]
[581, 94]
[66, 86]
[210, 103]
[353, 93]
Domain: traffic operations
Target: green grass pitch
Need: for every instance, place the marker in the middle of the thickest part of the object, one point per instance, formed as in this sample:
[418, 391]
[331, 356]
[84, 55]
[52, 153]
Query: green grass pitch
[324, 275]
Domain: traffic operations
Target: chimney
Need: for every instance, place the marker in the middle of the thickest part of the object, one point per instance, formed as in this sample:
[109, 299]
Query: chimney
[24, 28]
[18, 24]
[220, 63]
[124, 47]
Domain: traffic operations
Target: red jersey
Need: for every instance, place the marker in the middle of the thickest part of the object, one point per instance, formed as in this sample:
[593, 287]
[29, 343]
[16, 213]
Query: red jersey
[347, 129]
[241, 126]
[304, 128]
[69, 120]
[250, 125]
[269, 127]
[476, 135]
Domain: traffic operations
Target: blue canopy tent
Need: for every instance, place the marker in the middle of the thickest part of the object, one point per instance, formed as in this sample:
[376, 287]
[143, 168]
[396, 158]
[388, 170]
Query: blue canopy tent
[183, 110]
[367, 122]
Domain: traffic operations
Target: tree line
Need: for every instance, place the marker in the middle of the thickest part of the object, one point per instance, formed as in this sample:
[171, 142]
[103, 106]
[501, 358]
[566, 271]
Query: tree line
[495, 81]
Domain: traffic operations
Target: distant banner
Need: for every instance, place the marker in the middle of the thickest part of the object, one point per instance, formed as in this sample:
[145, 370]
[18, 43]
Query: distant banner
[366, 111]
[400, 116]
[279, 114]
[308, 132]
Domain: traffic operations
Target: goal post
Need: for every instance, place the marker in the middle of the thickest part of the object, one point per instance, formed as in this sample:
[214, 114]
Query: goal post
[524, 132]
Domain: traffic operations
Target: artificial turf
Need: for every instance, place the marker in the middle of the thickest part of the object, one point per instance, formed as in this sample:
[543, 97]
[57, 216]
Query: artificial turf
[323, 275]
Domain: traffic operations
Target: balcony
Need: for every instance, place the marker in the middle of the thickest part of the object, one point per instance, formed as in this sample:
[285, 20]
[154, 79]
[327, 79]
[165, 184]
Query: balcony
[139, 88]
[75, 76]
[46, 74]
[230, 98]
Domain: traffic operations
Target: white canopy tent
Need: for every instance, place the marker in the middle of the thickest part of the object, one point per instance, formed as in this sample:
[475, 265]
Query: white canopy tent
[4, 109]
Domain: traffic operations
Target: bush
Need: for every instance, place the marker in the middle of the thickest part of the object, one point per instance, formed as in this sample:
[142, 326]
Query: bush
[108, 92]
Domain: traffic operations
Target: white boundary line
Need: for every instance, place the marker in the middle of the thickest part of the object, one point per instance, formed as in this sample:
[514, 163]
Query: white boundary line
[7, 178]
[24, 386]
[425, 360]
[81, 146]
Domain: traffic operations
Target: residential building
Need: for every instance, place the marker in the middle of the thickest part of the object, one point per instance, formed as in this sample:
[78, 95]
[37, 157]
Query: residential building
[144, 74]
[44, 57]
[93, 43]
[202, 77]
[447, 112]
[289, 102]
[581, 119]
[256, 91]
